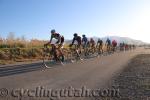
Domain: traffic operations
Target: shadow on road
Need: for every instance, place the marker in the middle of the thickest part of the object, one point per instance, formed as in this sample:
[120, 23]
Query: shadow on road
[18, 69]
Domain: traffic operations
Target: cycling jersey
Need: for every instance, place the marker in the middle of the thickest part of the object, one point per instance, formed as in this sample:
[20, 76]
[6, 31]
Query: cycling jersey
[100, 42]
[92, 42]
[77, 39]
[108, 42]
[60, 39]
[114, 43]
[84, 40]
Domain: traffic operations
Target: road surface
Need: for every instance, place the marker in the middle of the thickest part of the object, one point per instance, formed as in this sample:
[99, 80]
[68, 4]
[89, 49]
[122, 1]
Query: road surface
[92, 73]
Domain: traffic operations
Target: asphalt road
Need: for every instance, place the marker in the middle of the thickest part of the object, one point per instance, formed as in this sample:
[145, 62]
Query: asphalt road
[91, 73]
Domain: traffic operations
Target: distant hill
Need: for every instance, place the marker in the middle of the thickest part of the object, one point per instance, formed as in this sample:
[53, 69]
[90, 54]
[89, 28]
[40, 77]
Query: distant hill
[118, 39]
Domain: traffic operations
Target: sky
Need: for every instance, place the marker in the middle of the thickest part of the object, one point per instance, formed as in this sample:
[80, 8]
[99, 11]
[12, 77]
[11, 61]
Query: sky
[36, 18]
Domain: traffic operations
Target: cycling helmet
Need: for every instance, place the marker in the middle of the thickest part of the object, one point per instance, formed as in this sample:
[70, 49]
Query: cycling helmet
[75, 34]
[53, 31]
[83, 35]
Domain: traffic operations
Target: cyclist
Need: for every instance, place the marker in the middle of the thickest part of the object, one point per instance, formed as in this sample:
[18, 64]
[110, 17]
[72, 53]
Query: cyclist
[92, 43]
[100, 46]
[126, 47]
[134, 46]
[88, 48]
[59, 42]
[130, 46]
[78, 40]
[60, 38]
[114, 44]
[84, 41]
[85, 44]
[121, 46]
[108, 44]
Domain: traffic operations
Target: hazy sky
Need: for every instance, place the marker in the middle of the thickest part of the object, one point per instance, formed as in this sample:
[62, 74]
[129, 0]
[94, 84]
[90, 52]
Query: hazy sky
[35, 18]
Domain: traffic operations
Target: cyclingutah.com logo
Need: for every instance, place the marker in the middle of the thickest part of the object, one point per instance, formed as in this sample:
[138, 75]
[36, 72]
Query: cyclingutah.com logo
[41, 92]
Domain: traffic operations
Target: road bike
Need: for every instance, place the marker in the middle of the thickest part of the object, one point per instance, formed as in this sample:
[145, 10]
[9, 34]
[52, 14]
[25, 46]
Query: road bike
[52, 54]
[75, 53]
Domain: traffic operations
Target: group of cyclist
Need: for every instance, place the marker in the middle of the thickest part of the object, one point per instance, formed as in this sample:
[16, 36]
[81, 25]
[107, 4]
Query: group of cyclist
[124, 47]
[84, 43]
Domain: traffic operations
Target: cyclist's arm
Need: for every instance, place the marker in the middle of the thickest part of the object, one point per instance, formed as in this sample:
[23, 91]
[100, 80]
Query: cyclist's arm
[73, 41]
[82, 40]
[48, 41]
[51, 39]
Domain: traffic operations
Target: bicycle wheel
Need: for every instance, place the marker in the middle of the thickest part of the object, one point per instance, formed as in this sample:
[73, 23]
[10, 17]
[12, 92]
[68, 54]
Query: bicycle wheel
[47, 59]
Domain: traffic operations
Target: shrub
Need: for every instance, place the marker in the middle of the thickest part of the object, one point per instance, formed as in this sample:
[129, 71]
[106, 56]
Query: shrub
[4, 46]
[20, 45]
[3, 56]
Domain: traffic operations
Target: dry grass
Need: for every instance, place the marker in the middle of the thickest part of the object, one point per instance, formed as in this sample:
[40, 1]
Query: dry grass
[19, 49]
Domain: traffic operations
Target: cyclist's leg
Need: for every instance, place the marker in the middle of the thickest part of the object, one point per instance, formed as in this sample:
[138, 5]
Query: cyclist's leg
[61, 54]
[109, 48]
[100, 49]
[79, 51]
[93, 48]
[61, 45]
[54, 52]
[85, 49]
[60, 49]
[113, 48]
